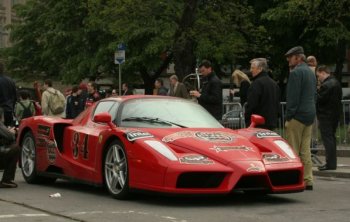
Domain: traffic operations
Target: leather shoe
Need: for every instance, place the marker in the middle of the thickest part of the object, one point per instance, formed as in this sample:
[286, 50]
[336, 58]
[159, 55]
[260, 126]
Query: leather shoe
[309, 187]
[9, 184]
[325, 167]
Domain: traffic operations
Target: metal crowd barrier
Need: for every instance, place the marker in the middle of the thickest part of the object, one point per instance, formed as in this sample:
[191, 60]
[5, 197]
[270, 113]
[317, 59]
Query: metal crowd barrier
[234, 118]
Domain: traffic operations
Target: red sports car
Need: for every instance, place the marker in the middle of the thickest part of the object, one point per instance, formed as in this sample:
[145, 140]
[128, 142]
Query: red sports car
[156, 143]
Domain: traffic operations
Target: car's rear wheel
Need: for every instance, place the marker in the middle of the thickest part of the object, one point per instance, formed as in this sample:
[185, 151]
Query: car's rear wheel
[115, 170]
[28, 161]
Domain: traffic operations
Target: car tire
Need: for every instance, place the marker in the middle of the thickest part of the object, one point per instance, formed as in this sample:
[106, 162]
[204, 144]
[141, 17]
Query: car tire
[28, 161]
[115, 170]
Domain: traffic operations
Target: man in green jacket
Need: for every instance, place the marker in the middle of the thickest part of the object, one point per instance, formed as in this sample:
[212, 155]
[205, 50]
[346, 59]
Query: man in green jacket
[301, 109]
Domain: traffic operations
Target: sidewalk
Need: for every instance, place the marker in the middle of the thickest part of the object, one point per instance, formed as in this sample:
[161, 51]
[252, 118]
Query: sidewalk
[342, 171]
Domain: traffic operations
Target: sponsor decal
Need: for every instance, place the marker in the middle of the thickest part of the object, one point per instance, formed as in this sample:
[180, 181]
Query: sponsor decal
[41, 142]
[254, 168]
[44, 130]
[219, 149]
[272, 157]
[178, 135]
[135, 135]
[265, 134]
[196, 159]
[51, 151]
[218, 137]
[213, 137]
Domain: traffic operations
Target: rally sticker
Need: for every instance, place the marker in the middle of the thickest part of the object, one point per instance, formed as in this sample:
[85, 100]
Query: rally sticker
[274, 157]
[265, 134]
[51, 151]
[135, 135]
[218, 137]
[196, 159]
[219, 149]
[213, 137]
[44, 130]
[254, 168]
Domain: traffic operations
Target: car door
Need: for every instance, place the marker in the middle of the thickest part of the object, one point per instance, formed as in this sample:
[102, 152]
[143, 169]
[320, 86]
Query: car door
[83, 142]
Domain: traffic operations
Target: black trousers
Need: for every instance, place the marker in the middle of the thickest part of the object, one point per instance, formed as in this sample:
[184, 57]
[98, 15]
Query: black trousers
[8, 118]
[328, 129]
[8, 162]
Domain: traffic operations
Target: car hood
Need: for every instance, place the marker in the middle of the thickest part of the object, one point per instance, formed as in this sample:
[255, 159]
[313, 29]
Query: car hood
[222, 145]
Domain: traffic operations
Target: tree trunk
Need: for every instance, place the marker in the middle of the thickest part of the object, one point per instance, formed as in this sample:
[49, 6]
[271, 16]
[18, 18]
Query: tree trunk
[150, 79]
[341, 53]
[183, 49]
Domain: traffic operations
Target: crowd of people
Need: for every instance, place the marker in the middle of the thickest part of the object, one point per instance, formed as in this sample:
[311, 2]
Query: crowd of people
[311, 90]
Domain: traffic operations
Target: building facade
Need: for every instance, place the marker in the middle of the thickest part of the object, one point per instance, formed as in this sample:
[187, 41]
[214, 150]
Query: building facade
[7, 16]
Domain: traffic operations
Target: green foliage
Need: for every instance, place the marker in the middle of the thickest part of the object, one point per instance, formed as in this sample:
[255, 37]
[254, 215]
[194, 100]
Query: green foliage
[76, 39]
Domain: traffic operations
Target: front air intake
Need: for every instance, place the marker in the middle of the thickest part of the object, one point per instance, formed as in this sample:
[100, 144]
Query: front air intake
[284, 178]
[200, 180]
[255, 182]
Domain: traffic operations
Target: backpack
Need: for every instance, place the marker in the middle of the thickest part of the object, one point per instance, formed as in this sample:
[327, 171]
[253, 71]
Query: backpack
[56, 102]
[26, 110]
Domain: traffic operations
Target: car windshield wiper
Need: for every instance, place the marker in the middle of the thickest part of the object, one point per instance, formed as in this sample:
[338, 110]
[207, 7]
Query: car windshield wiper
[153, 120]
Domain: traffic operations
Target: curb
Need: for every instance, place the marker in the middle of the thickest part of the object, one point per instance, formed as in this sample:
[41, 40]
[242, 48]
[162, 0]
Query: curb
[339, 173]
[340, 152]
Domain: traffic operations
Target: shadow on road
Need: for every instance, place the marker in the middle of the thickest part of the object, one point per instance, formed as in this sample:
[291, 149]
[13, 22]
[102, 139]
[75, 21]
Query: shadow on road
[153, 198]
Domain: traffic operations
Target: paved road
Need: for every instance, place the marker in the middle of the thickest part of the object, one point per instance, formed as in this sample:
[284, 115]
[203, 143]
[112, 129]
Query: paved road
[328, 202]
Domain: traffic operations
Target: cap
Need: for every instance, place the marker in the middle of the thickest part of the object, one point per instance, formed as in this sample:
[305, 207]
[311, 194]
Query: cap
[295, 51]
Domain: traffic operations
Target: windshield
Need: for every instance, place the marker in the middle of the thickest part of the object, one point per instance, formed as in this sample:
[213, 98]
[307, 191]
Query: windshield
[166, 113]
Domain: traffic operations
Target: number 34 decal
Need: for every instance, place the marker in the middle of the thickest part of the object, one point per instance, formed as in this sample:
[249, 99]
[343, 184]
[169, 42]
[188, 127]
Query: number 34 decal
[80, 146]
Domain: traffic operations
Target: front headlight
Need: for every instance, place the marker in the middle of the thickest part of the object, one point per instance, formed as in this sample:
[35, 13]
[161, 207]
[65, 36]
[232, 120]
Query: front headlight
[286, 148]
[162, 149]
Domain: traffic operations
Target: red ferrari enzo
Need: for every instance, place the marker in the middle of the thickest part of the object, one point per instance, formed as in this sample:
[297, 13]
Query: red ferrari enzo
[156, 143]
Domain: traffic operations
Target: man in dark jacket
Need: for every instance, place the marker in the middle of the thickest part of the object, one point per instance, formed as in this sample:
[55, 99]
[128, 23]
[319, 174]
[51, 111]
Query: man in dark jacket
[75, 104]
[8, 96]
[301, 109]
[127, 90]
[328, 113]
[9, 153]
[263, 95]
[210, 96]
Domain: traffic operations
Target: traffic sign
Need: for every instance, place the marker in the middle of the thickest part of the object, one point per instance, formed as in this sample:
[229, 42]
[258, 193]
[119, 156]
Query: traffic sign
[119, 55]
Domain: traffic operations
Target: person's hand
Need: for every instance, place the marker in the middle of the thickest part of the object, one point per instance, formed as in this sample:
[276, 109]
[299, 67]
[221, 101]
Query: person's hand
[195, 93]
[286, 124]
[233, 91]
[13, 130]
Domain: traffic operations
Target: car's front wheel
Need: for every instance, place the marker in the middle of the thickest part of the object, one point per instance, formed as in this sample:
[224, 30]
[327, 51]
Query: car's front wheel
[28, 161]
[115, 170]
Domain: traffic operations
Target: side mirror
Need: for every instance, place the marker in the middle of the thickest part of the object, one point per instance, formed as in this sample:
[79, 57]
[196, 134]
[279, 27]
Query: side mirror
[104, 117]
[256, 120]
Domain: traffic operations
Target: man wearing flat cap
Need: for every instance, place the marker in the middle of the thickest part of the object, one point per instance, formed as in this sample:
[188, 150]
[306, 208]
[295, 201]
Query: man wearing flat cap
[301, 109]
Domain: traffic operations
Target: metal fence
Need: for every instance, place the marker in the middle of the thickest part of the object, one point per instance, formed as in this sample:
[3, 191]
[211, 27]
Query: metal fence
[234, 118]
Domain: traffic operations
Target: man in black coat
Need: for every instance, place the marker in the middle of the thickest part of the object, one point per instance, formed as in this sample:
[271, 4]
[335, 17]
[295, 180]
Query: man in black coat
[210, 96]
[263, 95]
[328, 113]
[9, 153]
[8, 96]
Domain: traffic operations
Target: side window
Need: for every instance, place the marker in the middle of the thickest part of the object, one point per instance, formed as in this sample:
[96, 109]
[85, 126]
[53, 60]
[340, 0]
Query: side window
[107, 106]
